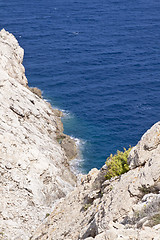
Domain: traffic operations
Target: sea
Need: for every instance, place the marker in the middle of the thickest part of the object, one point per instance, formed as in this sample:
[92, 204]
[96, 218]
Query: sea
[96, 60]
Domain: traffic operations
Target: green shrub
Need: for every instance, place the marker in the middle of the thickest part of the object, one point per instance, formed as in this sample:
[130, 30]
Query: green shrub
[117, 164]
[154, 220]
[86, 206]
[151, 189]
[47, 215]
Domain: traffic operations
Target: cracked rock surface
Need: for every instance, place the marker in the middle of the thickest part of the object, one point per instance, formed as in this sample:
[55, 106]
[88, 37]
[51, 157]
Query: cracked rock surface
[34, 168]
[125, 207]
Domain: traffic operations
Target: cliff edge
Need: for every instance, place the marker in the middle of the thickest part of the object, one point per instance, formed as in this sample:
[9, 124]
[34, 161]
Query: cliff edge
[34, 166]
[125, 207]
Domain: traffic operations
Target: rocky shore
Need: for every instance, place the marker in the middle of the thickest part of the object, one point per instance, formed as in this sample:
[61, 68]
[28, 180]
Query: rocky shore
[40, 197]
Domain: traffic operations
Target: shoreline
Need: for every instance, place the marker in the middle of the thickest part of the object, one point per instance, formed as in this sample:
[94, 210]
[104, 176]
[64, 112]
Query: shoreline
[78, 158]
[68, 143]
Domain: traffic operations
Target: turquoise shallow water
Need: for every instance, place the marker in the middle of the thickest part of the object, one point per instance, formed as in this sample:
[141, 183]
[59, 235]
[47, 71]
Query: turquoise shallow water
[97, 60]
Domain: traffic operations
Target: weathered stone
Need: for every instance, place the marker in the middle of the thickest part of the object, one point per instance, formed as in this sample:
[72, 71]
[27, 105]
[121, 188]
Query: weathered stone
[36, 91]
[111, 209]
[147, 149]
[11, 57]
[34, 169]
[69, 146]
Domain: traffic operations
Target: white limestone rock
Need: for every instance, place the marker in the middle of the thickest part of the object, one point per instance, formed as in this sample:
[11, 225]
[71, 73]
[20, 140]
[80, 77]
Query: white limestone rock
[112, 209]
[11, 57]
[147, 149]
[34, 169]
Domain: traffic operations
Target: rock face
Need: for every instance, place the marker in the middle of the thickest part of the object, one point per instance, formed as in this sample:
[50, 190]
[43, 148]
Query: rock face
[126, 207]
[147, 148]
[34, 168]
[11, 57]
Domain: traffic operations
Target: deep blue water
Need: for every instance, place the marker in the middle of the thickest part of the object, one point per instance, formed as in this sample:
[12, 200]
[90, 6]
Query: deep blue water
[97, 59]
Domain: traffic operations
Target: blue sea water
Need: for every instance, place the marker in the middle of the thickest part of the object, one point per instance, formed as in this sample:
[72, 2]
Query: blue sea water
[99, 60]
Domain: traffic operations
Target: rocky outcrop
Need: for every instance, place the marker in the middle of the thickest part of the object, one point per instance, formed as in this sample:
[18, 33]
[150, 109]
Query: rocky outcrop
[11, 57]
[147, 148]
[34, 167]
[126, 207]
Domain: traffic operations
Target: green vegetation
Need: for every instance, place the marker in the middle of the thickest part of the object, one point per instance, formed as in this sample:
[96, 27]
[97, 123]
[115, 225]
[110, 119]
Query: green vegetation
[150, 211]
[47, 215]
[117, 164]
[155, 220]
[1, 236]
[86, 206]
[152, 189]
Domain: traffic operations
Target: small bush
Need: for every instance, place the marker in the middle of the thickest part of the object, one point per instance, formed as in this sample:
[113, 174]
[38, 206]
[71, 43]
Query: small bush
[152, 189]
[47, 215]
[86, 206]
[117, 164]
[154, 220]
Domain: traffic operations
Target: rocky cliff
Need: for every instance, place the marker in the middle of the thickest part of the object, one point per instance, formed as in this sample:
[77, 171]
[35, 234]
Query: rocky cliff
[38, 197]
[34, 167]
[125, 207]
